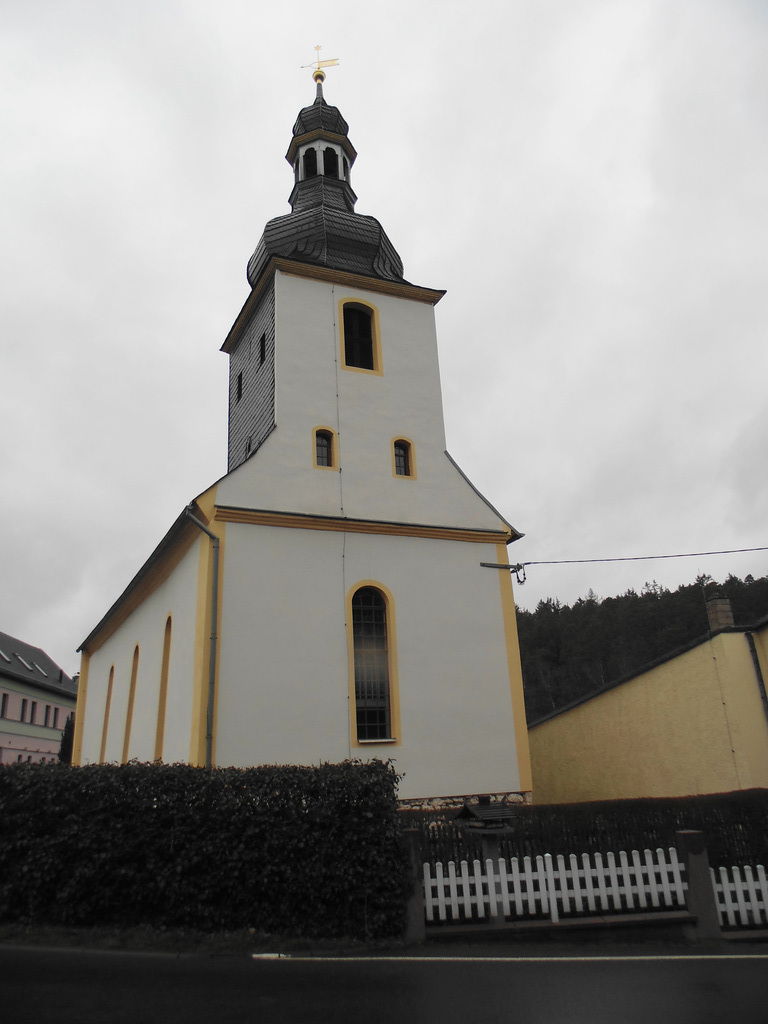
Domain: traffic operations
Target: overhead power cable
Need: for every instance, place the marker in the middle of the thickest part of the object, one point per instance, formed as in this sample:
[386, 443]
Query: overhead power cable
[519, 568]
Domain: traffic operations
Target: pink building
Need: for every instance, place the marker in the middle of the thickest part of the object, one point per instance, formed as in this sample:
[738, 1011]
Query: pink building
[36, 699]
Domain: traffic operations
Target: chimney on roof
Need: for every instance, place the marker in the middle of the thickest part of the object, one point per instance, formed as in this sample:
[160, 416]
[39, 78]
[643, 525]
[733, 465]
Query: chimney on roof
[719, 613]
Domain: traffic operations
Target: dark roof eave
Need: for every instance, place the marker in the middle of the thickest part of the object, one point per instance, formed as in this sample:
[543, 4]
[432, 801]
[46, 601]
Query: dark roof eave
[179, 526]
[41, 684]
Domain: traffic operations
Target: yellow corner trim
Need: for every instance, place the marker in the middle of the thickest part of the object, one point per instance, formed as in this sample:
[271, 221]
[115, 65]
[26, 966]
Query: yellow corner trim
[515, 674]
[82, 697]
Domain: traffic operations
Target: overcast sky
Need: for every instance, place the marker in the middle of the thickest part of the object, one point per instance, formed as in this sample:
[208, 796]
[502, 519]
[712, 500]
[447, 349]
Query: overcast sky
[587, 178]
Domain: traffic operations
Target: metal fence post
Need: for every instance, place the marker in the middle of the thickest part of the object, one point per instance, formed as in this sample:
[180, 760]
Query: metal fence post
[415, 926]
[701, 894]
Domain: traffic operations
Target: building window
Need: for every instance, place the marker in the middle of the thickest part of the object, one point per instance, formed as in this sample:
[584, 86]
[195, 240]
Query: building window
[163, 696]
[310, 163]
[402, 455]
[23, 716]
[371, 658]
[359, 341]
[239, 387]
[131, 702]
[47, 718]
[33, 712]
[324, 449]
[4, 705]
[107, 709]
[330, 162]
[55, 718]
[262, 349]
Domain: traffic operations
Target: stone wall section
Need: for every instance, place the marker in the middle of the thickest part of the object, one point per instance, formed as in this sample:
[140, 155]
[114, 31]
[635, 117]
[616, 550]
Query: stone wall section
[252, 415]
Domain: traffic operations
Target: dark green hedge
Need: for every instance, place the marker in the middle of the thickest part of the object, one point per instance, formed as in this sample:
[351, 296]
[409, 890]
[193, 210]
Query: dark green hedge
[735, 827]
[301, 851]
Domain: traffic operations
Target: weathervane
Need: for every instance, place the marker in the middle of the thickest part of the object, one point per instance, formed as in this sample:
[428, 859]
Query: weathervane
[318, 74]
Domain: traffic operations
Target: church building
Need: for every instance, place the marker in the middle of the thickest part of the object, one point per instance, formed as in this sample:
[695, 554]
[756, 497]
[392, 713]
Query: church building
[326, 599]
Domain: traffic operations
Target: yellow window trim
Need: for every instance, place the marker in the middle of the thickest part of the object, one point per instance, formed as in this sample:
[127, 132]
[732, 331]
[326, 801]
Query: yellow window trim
[411, 475]
[334, 447]
[394, 684]
[378, 366]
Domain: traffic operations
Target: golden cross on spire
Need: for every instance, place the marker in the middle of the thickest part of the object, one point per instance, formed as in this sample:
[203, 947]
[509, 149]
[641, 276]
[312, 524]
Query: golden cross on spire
[318, 74]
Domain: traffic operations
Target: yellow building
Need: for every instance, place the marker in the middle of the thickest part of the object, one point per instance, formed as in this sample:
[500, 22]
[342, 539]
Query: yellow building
[695, 722]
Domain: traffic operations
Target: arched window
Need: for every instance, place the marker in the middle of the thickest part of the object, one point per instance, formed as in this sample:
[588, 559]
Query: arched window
[346, 169]
[163, 694]
[371, 654]
[324, 449]
[107, 707]
[310, 163]
[131, 701]
[358, 337]
[402, 458]
[330, 162]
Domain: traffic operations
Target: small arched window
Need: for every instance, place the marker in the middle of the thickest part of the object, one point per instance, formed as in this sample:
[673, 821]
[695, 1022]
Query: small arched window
[371, 654]
[358, 337]
[346, 169]
[402, 458]
[310, 163]
[324, 449]
[330, 162]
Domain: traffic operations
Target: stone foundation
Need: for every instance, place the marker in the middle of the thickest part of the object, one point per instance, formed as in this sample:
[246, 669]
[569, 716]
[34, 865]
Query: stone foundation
[449, 803]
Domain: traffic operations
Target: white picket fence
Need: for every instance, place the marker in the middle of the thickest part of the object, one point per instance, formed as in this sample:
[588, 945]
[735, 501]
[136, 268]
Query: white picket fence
[553, 888]
[742, 899]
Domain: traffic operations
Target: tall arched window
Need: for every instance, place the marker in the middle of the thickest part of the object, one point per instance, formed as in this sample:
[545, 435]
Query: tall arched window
[358, 337]
[105, 727]
[330, 162]
[402, 453]
[310, 163]
[324, 449]
[163, 695]
[131, 701]
[371, 654]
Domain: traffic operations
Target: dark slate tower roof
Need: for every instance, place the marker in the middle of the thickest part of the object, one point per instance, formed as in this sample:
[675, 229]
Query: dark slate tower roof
[323, 228]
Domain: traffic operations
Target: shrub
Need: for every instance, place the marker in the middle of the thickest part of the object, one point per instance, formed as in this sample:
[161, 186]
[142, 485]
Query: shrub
[304, 851]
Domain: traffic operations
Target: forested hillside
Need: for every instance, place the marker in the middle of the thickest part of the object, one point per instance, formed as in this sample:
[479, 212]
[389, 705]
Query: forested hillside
[569, 651]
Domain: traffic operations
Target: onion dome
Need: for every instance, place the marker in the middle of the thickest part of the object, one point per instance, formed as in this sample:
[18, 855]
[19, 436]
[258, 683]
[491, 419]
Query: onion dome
[322, 227]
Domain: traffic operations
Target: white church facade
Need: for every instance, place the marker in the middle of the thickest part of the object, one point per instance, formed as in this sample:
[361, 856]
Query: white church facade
[325, 599]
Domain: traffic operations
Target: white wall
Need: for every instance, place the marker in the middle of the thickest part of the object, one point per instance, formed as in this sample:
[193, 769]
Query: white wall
[370, 410]
[177, 597]
[284, 685]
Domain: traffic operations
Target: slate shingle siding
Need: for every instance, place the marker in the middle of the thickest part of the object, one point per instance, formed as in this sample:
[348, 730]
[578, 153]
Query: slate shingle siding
[252, 418]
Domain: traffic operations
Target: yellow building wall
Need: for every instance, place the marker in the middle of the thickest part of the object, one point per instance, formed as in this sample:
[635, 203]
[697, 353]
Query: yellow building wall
[695, 724]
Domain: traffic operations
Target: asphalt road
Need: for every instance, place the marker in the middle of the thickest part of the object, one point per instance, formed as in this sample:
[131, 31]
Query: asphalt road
[76, 987]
